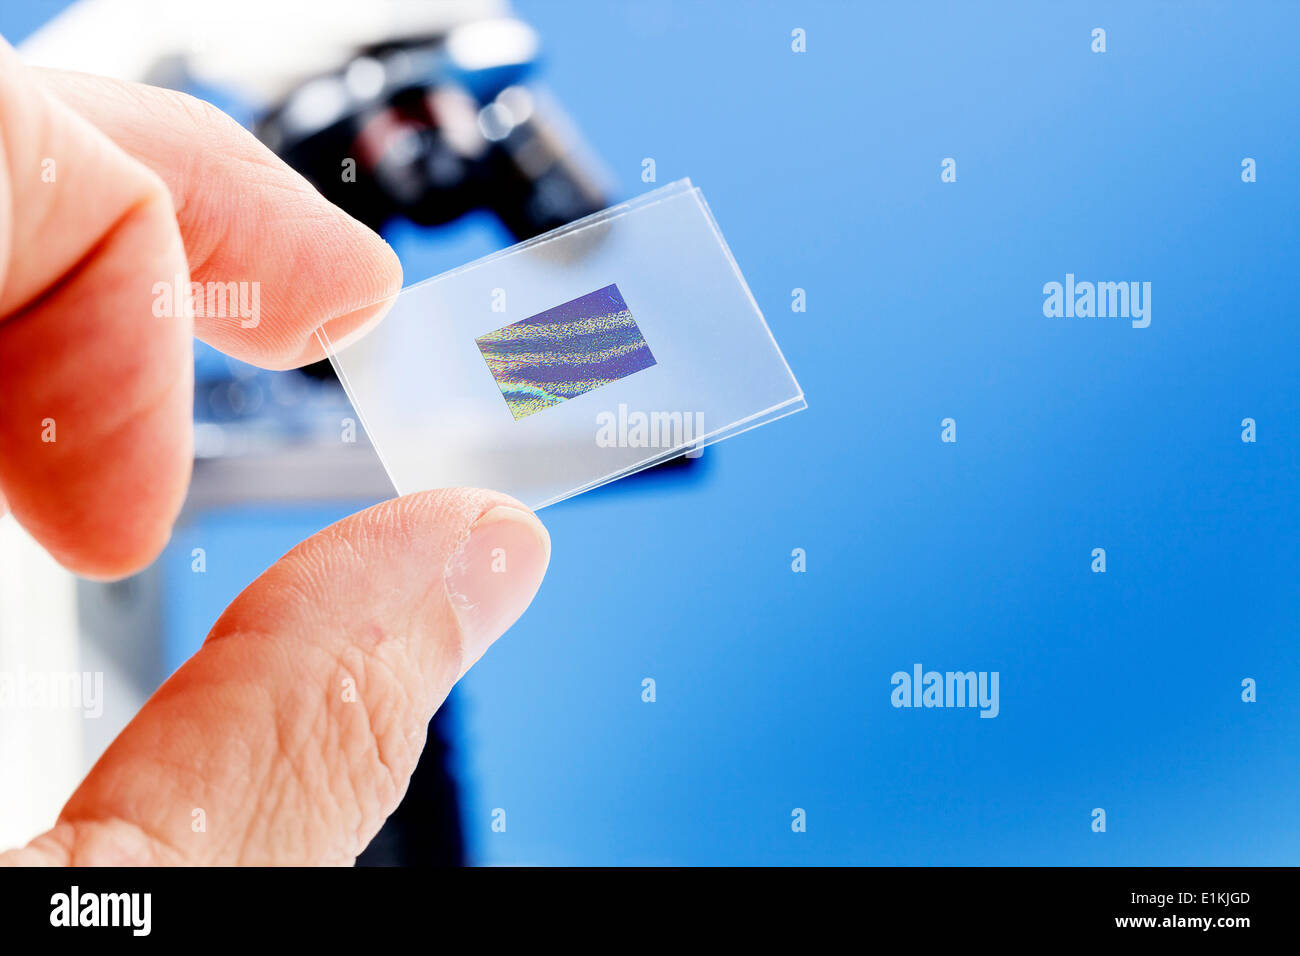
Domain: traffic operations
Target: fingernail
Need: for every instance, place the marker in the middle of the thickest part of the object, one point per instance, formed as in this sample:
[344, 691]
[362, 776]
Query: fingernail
[492, 578]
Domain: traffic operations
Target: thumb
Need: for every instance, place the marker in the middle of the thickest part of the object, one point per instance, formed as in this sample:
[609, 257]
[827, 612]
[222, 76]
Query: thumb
[291, 734]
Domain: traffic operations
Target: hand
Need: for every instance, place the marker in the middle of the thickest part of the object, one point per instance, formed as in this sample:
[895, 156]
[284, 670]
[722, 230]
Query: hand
[258, 730]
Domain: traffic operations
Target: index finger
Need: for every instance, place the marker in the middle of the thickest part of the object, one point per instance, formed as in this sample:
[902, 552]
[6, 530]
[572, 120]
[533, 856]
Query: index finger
[245, 217]
[95, 385]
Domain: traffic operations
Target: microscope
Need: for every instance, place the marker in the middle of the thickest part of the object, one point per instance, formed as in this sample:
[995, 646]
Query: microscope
[432, 128]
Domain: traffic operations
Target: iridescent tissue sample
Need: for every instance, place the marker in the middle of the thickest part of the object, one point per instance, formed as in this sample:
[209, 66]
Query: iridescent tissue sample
[565, 351]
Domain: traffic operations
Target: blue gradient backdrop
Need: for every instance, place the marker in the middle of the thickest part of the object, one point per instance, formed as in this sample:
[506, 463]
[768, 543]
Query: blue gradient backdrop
[1119, 690]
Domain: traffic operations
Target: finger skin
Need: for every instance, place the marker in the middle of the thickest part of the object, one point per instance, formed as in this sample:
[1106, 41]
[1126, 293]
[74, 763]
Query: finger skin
[296, 726]
[95, 390]
[94, 385]
[246, 217]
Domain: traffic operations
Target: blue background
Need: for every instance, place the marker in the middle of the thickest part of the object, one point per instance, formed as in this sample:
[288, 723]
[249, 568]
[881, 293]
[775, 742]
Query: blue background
[1119, 690]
